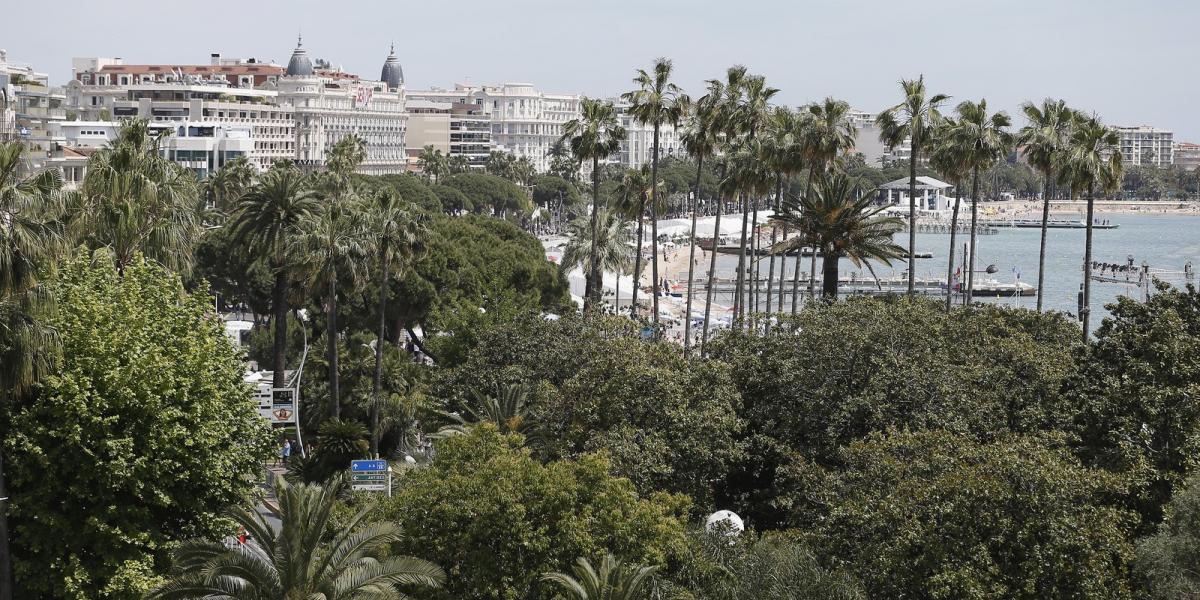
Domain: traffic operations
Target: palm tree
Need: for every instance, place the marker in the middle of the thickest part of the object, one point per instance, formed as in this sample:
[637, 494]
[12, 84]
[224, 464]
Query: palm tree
[749, 176]
[224, 187]
[594, 135]
[947, 158]
[135, 200]
[781, 153]
[508, 410]
[614, 581]
[983, 140]
[30, 238]
[614, 246]
[399, 235]
[433, 163]
[913, 119]
[267, 220]
[1092, 160]
[725, 97]
[841, 220]
[749, 119]
[700, 141]
[633, 194]
[656, 102]
[297, 559]
[829, 133]
[1044, 140]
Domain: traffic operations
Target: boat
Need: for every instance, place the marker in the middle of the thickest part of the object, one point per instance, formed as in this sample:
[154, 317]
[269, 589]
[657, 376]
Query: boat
[1050, 224]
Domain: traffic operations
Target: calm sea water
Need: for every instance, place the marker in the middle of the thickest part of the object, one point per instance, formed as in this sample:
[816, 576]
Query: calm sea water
[1163, 241]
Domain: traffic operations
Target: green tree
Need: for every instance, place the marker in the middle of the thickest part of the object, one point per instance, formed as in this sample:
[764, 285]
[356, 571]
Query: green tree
[703, 137]
[268, 220]
[656, 102]
[1137, 396]
[299, 559]
[633, 194]
[148, 384]
[828, 132]
[489, 191]
[522, 517]
[29, 240]
[913, 120]
[399, 237]
[838, 372]
[843, 221]
[226, 185]
[937, 515]
[594, 135]
[413, 189]
[616, 248]
[556, 193]
[506, 410]
[433, 163]
[613, 581]
[1168, 558]
[134, 200]
[699, 139]
[1092, 160]
[783, 153]
[1043, 141]
[983, 139]
[946, 156]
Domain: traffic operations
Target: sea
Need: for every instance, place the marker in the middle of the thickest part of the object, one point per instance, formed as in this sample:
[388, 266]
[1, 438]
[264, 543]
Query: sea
[1165, 242]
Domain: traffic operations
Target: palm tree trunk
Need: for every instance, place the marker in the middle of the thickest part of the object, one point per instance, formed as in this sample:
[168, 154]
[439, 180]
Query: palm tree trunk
[377, 384]
[654, 224]
[1085, 312]
[771, 262]
[971, 252]
[279, 303]
[953, 236]
[687, 324]
[912, 215]
[739, 302]
[829, 268]
[812, 273]
[1042, 246]
[591, 294]
[6, 580]
[331, 350]
[637, 258]
[753, 263]
[812, 172]
[712, 271]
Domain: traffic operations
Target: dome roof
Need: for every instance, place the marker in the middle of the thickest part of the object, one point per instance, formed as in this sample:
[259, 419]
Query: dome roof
[393, 74]
[299, 64]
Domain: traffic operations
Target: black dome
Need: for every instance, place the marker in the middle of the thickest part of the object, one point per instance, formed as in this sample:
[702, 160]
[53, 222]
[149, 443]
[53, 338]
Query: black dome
[393, 74]
[299, 64]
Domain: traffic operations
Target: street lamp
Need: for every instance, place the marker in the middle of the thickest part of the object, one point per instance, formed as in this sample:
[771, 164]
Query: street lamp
[303, 314]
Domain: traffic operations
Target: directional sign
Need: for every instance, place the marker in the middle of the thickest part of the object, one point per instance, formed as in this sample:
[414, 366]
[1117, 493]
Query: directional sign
[367, 477]
[370, 487]
[364, 466]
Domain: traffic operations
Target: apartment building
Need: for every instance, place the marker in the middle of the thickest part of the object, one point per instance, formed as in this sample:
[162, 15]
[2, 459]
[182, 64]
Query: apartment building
[1145, 145]
[30, 109]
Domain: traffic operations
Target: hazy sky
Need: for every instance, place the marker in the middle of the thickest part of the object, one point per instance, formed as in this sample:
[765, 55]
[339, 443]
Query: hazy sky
[1131, 61]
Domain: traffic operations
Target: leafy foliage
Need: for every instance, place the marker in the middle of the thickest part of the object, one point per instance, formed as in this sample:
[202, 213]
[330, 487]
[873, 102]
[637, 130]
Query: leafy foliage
[144, 435]
[1168, 558]
[496, 519]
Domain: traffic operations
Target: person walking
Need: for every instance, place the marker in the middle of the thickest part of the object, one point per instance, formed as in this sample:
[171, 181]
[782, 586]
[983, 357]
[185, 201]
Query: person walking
[285, 452]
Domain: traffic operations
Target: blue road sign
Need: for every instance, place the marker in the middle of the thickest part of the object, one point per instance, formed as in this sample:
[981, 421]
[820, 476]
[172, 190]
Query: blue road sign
[361, 466]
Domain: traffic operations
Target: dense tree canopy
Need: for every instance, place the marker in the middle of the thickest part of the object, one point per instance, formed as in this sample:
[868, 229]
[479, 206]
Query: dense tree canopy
[144, 436]
[496, 519]
[490, 192]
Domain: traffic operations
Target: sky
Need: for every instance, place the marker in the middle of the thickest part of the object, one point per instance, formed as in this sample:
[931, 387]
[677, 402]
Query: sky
[1132, 62]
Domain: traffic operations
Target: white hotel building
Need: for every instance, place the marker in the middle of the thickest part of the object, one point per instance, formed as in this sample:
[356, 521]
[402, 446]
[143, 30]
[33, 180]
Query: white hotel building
[1146, 146]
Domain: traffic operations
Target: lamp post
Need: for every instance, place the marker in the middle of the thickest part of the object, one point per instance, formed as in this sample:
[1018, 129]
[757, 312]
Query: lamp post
[303, 314]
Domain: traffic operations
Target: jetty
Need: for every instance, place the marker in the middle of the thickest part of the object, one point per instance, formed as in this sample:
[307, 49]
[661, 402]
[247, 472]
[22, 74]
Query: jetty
[1050, 224]
[930, 286]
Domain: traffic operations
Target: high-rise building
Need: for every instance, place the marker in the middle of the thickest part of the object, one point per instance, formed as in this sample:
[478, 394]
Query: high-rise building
[1186, 155]
[1145, 145]
[638, 147]
[330, 105]
[455, 128]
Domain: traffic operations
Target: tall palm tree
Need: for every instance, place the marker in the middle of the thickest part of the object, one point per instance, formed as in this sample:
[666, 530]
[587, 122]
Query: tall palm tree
[399, 236]
[336, 245]
[700, 141]
[828, 134]
[912, 119]
[656, 102]
[781, 153]
[748, 176]
[633, 194]
[30, 238]
[614, 581]
[594, 135]
[136, 200]
[947, 158]
[298, 559]
[1092, 161]
[267, 220]
[433, 163]
[226, 185]
[983, 140]
[749, 119]
[841, 220]
[1044, 140]
[614, 245]
[726, 97]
